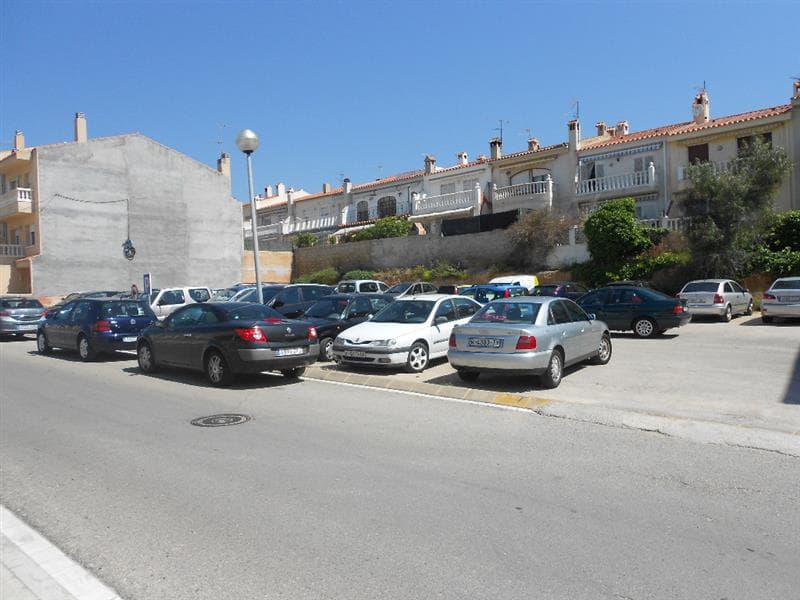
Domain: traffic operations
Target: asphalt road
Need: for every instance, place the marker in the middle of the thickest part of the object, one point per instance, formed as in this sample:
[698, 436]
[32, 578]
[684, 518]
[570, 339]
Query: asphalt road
[334, 491]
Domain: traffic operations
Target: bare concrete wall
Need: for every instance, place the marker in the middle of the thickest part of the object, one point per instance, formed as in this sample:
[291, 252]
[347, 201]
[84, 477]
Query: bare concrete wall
[183, 222]
[272, 266]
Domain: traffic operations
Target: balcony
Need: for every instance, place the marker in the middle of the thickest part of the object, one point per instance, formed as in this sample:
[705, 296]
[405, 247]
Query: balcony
[18, 201]
[451, 205]
[623, 182]
[532, 194]
[12, 250]
[670, 223]
[719, 167]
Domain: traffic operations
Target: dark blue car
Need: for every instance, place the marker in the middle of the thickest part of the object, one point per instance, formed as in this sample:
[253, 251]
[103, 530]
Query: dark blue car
[94, 325]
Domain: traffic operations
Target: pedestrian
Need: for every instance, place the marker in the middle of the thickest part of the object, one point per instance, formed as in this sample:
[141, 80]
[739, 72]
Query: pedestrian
[134, 291]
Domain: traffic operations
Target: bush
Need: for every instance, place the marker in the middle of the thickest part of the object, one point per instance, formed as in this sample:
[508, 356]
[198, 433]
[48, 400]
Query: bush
[784, 231]
[305, 240]
[444, 270]
[388, 227]
[359, 274]
[781, 263]
[329, 275]
[535, 235]
[613, 235]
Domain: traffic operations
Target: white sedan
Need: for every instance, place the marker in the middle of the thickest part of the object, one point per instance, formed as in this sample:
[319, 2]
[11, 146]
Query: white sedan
[409, 332]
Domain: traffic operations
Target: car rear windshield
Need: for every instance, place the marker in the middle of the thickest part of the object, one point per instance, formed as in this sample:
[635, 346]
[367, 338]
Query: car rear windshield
[346, 288]
[125, 308]
[701, 286]
[544, 290]
[328, 308]
[507, 312]
[199, 294]
[399, 288]
[787, 284]
[253, 312]
[20, 303]
[484, 295]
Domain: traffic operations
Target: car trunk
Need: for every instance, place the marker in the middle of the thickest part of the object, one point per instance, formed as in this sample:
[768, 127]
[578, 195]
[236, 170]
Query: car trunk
[24, 315]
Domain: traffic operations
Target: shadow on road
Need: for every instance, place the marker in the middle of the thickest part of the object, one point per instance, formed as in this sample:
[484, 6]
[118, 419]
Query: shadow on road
[247, 381]
[792, 395]
[757, 322]
[72, 356]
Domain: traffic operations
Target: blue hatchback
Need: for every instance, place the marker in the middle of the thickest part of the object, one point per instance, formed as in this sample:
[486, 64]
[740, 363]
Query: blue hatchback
[94, 325]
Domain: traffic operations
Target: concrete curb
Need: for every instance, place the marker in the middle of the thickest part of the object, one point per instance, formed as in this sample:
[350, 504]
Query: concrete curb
[707, 432]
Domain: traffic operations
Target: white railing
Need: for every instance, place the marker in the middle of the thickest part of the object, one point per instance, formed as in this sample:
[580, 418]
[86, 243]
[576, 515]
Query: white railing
[618, 182]
[263, 230]
[15, 250]
[719, 167]
[446, 202]
[532, 194]
[312, 224]
[18, 200]
[670, 223]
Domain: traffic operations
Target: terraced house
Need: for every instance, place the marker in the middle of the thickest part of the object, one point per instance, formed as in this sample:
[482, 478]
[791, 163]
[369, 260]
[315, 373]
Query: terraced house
[575, 176]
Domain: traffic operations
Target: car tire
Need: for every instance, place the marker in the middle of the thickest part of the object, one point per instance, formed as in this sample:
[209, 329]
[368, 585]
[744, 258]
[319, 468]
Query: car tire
[145, 358]
[326, 349]
[555, 371]
[42, 344]
[766, 319]
[294, 373]
[466, 375]
[644, 327]
[728, 314]
[604, 351]
[217, 370]
[85, 350]
[749, 310]
[417, 358]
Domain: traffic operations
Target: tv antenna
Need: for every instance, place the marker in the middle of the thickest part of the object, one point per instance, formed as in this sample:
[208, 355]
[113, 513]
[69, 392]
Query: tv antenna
[221, 137]
[576, 109]
[500, 128]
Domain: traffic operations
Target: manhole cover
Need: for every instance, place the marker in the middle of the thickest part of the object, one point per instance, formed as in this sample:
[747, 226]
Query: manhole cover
[220, 420]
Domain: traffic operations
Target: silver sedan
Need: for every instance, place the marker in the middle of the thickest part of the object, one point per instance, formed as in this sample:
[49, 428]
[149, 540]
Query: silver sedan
[528, 335]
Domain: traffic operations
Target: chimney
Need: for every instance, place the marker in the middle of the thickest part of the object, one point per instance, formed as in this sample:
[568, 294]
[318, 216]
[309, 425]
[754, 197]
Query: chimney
[601, 128]
[463, 158]
[280, 190]
[290, 203]
[495, 148]
[574, 127]
[224, 164]
[326, 188]
[533, 144]
[81, 134]
[268, 191]
[622, 128]
[430, 164]
[701, 108]
[796, 94]
[481, 158]
[19, 140]
[347, 185]
[612, 131]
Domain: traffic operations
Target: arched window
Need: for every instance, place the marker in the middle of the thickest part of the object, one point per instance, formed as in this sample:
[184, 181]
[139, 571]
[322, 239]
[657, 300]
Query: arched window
[387, 207]
[362, 211]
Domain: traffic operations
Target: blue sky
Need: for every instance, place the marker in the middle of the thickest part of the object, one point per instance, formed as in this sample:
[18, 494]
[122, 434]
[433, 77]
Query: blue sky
[366, 89]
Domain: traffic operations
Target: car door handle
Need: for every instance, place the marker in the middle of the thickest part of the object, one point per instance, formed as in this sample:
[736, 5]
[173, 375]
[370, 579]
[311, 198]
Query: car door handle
[187, 335]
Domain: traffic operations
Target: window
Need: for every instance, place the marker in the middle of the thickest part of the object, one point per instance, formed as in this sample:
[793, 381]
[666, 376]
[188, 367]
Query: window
[736, 287]
[575, 312]
[447, 310]
[199, 294]
[172, 297]
[187, 317]
[558, 314]
[369, 286]
[3, 233]
[32, 237]
[465, 308]
[698, 154]
[387, 207]
[362, 211]
[360, 307]
[469, 184]
[642, 164]
[290, 295]
[315, 292]
[81, 312]
[728, 289]
[743, 144]
[447, 188]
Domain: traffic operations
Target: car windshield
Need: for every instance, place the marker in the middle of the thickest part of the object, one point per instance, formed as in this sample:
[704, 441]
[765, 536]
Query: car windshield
[544, 290]
[346, 288]
[399, 288]
[507, 312]
[328, 308]
[787, 284]
[253, 312]
[20, 303]
[411, 311]
[125, 308]
[701, 286]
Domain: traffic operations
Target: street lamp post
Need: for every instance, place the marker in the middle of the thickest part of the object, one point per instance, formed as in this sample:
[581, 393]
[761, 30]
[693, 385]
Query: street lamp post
[247, 142]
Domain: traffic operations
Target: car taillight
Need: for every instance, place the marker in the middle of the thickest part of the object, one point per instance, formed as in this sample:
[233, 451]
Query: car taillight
[102, 325]
[273, 320]
[526, 342]
[678, 309]
[312, 334]
[718, 299]
[452, 342]
[4, 313]
[768, 296]
[506, 294]
[251, 334]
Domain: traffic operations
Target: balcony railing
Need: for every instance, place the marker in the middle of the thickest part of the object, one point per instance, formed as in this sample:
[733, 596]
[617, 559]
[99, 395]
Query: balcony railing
[532, 194]
[13, 250]
[16, 201]
[263, 230]
[670, 223]
[426, 205]
[613, 183]
[719, 167]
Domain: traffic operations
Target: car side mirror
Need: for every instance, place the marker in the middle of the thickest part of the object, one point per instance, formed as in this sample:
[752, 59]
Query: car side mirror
[592, 316]
[440, 319]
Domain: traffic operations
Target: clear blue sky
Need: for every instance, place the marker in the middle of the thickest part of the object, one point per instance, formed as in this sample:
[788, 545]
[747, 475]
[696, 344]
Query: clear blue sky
[366, 89]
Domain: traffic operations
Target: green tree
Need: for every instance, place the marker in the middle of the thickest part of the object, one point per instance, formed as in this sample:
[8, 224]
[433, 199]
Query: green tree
[305, 240]
[387, 227]
[613, 235]
[730, 208]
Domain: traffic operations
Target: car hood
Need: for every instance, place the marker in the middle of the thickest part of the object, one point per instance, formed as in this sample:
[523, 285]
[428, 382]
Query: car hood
[382, 331]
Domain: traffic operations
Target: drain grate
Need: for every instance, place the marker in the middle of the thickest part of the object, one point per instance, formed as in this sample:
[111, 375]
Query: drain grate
[220, 420]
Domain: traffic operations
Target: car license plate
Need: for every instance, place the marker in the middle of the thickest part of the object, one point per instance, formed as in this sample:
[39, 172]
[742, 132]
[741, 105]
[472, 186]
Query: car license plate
[129, 338]
[789, 298]
[355, 354]
[289, 351]
[485, 342]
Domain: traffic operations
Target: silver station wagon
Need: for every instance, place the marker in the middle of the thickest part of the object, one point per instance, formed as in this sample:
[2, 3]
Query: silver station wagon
[538, 335]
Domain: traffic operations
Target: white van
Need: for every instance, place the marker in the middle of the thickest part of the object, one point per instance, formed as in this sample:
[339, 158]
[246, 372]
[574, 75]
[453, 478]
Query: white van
[528, 281]
[164, 301]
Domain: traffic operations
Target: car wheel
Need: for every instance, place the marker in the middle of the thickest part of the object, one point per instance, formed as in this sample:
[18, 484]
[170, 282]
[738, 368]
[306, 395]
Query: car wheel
[294, 373]
[144, 355]
[644, 327]
[749, 310]
[465, 375]
[766, 319]
[326, 349]
[728, 314]
[41, 343]
[85, 350]
[217, 369]
[417, 358]
[555, 369]
[604, 351]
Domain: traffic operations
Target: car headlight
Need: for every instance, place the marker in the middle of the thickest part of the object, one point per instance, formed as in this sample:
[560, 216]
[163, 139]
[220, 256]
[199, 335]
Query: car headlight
[384, 343]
